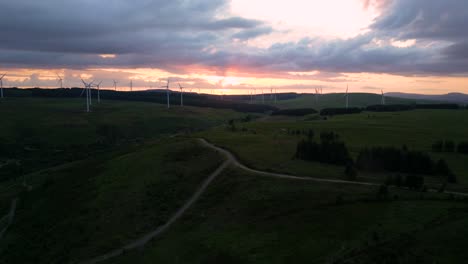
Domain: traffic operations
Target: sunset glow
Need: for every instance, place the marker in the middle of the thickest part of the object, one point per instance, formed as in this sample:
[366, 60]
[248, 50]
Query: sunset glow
[240, 45]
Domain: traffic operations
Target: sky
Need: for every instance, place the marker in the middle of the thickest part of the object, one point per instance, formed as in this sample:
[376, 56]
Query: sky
[228, 47]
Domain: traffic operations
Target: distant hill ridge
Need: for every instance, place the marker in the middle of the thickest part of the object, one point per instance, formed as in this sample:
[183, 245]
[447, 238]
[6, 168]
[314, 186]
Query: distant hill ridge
[450, 97]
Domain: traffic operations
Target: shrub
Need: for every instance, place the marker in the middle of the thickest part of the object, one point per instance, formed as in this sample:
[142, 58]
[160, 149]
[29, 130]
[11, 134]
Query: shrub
[462, 148]
[414, 182]
[350, 172]
[401, 160]
[438, 146]
[340, 111]
[295, 112]
[330, 150]
[449, 146]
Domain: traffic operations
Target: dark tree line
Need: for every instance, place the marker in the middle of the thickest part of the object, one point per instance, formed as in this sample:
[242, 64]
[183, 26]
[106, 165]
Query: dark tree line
[406, 107]
[450, 146]
[295, 112]
[340, 111]
[156, 96]
[462, 147]
[329, 150]
[414, 182]
[389, 108]
[402, 160]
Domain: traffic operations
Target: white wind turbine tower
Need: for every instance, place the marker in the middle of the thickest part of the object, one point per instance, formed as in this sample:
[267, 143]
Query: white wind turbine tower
[131, 85]
[316, 94]
[276, 92]
[60, 80]
[383, 97]
[167, 93]
[347, 96]
[1, 85]
[88, 93]
[181, 95]
[115, 85]
[98, 86]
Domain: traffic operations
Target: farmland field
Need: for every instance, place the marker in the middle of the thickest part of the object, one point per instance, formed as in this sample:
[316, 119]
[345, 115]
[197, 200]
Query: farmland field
[89, 183]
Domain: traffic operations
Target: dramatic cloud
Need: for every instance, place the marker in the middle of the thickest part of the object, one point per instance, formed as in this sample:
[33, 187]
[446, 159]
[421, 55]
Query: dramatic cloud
[179, 36]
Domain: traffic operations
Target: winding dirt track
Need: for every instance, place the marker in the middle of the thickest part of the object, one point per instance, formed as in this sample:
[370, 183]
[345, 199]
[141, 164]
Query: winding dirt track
[9, 217]
[230, 159]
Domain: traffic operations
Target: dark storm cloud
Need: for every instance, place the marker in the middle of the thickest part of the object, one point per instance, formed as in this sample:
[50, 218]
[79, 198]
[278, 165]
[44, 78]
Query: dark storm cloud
[425, 19]
[252, 33]
[173, 34]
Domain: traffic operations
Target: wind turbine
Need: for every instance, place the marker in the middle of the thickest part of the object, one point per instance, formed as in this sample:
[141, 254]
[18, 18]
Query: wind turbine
[316, 94]
[276, 93]
[347, 96]
[98, 94]
[131, 85]
[383, 97]
[181, 95]
[167, 93]
[115, 85]
[60, 80]
[88, 93]
[1, 85]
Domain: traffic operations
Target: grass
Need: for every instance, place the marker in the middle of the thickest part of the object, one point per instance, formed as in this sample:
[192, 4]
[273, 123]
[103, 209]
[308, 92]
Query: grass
[265, 144]
[93, 206]
[101, 180]
[251, 219]
[45, 132]
[40, 133]
[334, 100]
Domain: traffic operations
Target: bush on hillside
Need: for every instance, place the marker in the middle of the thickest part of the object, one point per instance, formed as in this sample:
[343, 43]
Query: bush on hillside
[462, 148]
[295, 112]
[340, 111]
[389, 108]
[329, 150]
[402, 160]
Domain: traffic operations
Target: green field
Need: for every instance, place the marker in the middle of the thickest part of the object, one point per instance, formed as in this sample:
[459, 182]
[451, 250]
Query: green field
[266, 145]
[103, 179]
[250, 219]
[337, 100]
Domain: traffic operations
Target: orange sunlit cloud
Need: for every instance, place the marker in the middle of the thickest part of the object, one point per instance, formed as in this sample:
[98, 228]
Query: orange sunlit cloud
[240, 45]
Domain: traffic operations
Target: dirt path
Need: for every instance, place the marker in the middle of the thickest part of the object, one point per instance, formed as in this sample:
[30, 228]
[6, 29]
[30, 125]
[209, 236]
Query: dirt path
[149, 236]
[230, 159]
[9, 217]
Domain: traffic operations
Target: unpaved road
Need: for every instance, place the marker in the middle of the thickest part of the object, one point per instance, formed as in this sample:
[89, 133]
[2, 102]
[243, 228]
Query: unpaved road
[230, 159]
[9, 217]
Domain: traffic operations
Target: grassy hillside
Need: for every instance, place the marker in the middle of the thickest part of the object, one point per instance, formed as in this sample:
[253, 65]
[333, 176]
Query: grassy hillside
[89, 207]
[267, 145]
[38, 133]
[250, 219]
[100, 180]
[338, 100]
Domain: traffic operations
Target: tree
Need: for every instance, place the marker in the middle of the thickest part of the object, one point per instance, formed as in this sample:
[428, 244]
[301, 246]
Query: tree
[449, 146]
[462, 148]
[438, 146]
[350, 172]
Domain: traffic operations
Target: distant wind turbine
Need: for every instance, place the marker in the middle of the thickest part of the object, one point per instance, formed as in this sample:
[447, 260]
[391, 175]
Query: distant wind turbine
[383, 97]
[167, 93]
[347, 97]
[181, 95]
[1, 85]
[131, 85]
[60, 80]
[98, 86]
[115, 85]
[87, 89]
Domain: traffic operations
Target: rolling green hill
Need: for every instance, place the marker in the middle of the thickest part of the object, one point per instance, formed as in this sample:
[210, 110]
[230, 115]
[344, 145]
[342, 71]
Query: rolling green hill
[94, 182]
[337, 100]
